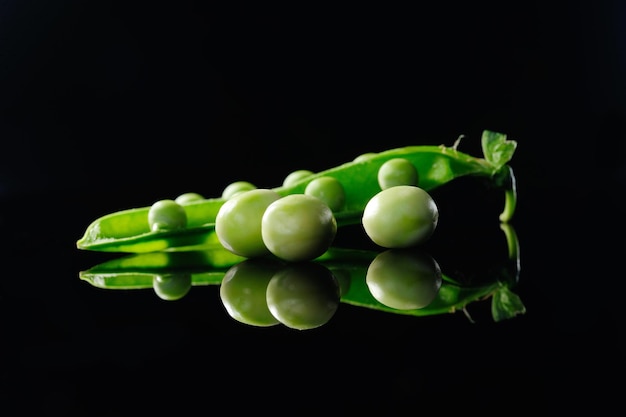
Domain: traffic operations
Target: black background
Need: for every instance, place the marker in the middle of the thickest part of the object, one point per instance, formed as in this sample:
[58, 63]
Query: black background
[111, 105]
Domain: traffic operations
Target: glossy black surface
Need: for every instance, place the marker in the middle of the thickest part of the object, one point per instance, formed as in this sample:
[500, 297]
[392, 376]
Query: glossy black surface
[114, 105]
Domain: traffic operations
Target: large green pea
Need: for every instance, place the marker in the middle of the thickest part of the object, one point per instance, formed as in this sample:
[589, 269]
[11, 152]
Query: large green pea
[329, 190]
[397, 171]
[237, 187]
[238, 222]
[303, 295]
[400, 216]
[404, 279]
[166, 215]
[172, 286]
[298, 227]
[296, 176]
[243, 290]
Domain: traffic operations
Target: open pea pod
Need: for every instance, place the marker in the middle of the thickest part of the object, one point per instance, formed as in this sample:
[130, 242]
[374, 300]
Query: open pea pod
[208, 267]
[129, 230]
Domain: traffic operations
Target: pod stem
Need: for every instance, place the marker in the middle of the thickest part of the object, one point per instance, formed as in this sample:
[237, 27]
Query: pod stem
[510, 196]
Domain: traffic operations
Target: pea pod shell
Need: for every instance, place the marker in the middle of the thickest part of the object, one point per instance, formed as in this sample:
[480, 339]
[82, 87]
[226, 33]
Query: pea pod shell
[129, 231]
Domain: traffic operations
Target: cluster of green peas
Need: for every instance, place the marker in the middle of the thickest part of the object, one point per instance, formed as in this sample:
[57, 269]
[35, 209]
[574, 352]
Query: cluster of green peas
[255, 222]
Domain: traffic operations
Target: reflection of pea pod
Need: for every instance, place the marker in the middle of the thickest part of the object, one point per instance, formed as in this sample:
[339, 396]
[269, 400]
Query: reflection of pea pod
[210, 266]
[138, 271]
[451, 296]
[129, 230]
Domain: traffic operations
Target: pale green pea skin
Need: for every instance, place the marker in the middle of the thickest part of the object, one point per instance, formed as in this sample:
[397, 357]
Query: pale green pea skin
[404, 279]
[243, 290]
[400, 216]
[172, 287]
[303, 295]
[166, 215]
[237, 187]
[397, 171]
[296, 176]
[329, 190]
[188, 198]
[298, 227]
[238, 222]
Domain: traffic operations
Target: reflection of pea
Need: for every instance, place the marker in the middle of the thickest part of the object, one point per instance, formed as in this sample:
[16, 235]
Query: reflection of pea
[404, 279]
[303, 295]
[172, 286]
[243, 292]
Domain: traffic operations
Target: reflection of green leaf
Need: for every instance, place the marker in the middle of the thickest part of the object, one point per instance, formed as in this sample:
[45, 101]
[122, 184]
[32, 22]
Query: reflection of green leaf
[497, 149]
[505, 304]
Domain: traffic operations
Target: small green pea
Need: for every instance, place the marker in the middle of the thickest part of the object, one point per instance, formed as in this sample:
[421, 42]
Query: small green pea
[400, 216]
[404, 279]
[298, 227]
[237, 187]
[364, 156]
[188, 198]
[166, 215]
[296, 176]
[238, 222]
[303, 295]
[329, 190]
[397, 171]
[243, 290]
[172, 287]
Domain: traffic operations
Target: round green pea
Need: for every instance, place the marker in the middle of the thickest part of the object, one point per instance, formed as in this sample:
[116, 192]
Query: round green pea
[404, 279]
[364, 156]
[166, 215]
[238, 222]
[243, 289]
[298, 227]
[296, 176]
[303, 295]
[172, 287]
[397, 171]
[329, 190]
[237, 187]
[188, 198]
[400, 216]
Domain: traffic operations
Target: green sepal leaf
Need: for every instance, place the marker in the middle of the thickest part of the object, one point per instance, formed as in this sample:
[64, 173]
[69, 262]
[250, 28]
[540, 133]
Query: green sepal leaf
[505, 304]
[497, 149]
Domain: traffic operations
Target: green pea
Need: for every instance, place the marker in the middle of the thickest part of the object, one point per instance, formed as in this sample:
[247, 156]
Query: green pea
[298, 227]
[329, 190]
[364, 156]
[397, 171]
[243, 289]
[166, 215]
[237, 187]
[172, 287]
[303, 295]
[188, 198]
[400, 216]
[296, 176]
[404, 279]
[238, 222]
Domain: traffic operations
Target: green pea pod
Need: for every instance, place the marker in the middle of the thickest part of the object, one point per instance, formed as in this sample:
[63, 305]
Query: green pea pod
[129, 231]
[208, 267]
